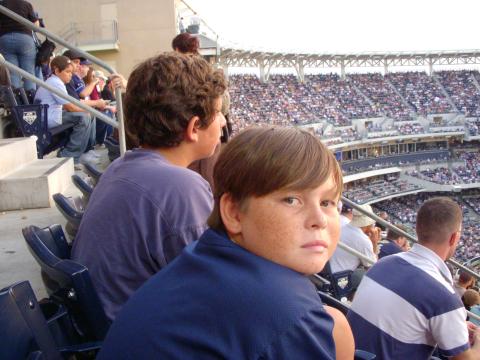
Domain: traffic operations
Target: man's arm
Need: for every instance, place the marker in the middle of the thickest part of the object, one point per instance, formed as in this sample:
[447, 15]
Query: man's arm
[474, 352]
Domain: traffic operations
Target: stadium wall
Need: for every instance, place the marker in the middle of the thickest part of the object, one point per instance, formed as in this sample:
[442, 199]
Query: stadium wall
[145, 27]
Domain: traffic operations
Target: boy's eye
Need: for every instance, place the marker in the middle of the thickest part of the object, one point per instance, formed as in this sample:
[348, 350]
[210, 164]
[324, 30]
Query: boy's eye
[328, 203]
[290, 200]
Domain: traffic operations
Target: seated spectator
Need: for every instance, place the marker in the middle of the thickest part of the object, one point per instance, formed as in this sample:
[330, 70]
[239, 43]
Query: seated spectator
[361, 235]
[80, 91]
[471, 301]
[406, 305]
[102, 129]
[395, 243]
[82, 127]
[241, 290]
[148, 206]
[464, 282]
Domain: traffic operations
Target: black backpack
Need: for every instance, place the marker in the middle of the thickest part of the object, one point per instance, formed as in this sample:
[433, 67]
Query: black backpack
[44, 52]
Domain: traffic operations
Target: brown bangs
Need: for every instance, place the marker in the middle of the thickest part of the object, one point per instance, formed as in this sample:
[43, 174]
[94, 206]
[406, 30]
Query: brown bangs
[262, 160]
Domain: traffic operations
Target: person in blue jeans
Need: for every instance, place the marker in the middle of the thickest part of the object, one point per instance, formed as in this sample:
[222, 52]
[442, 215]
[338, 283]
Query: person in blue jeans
[16, 41]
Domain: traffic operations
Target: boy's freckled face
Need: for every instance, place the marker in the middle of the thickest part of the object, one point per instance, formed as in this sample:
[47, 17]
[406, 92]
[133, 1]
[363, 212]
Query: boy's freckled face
[298, 229]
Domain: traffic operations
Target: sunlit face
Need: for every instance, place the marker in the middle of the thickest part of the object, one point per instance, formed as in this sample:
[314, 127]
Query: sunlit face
[76, 64]
[66, 74]
[296, 229]
[209, 137]
[83, 70]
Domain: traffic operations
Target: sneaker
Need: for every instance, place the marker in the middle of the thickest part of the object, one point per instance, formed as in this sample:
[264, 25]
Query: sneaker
[88, 159]
[93, 153]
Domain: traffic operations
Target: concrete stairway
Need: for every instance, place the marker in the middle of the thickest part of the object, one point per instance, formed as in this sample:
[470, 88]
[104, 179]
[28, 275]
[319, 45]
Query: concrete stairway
[27, 182]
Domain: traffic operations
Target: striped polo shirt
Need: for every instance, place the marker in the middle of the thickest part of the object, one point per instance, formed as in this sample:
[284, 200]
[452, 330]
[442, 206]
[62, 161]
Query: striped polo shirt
[406, 305]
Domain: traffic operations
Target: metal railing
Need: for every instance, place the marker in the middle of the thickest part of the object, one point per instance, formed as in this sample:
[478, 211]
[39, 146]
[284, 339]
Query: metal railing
[57, 39]
[413, 239]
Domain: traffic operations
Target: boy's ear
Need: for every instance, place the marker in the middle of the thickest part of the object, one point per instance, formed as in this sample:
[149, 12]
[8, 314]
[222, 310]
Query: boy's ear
[230, 214]
[191, 132]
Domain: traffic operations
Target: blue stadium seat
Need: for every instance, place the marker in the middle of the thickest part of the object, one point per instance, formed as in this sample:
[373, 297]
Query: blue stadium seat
[84, 187]
[93, 172]
[68, 283]
[23, 328]
[73, 216]
[340, 283]
[31, 119]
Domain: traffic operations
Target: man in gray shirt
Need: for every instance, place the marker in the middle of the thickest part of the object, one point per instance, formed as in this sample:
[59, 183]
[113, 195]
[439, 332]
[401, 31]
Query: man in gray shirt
[147, 205]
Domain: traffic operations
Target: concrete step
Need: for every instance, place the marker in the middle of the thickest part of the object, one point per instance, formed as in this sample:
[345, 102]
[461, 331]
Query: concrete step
[16, 152]
[32, 185]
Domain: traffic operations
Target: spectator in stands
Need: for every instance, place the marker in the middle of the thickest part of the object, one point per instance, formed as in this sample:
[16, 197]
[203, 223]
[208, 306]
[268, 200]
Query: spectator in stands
[186, 43]
[471, 301]
[384, 216]
[102, 129]
[464, 282]
[148, 205]
[361, 235]
[77, 89]
[62, 69]
[415, 306]
[396, 242]
[346, 215]
[16, 41]
[241, 292]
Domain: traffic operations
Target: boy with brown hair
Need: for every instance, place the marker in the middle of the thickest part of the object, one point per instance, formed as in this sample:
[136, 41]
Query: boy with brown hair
[241, 290]
[148, 206]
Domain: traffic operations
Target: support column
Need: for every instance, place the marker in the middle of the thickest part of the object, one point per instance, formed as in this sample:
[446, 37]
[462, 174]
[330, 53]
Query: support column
[430, 67]
[300, 71]
[225, 70]
[262, 72]
[385, 67]
[342, 70]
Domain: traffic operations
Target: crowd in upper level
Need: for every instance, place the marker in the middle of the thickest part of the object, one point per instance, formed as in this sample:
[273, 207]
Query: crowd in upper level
[283, 100]
[466, 173]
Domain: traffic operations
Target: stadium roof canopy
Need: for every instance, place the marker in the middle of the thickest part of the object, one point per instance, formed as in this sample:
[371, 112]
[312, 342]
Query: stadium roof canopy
[230, 57]
[234, 57]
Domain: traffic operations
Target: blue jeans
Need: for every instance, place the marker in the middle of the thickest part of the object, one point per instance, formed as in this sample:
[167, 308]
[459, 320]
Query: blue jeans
[20, 50]
[82, 134]
[104, 130]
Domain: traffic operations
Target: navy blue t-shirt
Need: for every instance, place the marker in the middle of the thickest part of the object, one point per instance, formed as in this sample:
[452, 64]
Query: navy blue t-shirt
[75, 87]
[219, 301]
[389, 248]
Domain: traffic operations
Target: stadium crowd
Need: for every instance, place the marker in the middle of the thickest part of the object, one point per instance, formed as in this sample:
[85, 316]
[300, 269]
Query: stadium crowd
[462, 90]
[468, 173]
[384, 97]
[370, 189]
[278, 184]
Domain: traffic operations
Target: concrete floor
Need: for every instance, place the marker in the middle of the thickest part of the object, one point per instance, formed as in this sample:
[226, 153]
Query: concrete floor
[16, 262]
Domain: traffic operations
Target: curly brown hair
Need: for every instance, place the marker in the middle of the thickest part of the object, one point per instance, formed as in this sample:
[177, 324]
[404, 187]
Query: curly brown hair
[165, 92]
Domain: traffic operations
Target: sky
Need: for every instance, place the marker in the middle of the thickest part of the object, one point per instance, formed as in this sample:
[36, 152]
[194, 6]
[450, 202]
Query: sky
[343, 26]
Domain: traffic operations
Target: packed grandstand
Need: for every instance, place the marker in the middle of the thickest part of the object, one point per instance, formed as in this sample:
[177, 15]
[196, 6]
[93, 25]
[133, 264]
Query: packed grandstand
[434, 122]
[400, 138]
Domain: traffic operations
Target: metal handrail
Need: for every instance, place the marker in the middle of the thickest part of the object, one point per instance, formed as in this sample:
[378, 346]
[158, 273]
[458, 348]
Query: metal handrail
[95, 60]
[57, 92]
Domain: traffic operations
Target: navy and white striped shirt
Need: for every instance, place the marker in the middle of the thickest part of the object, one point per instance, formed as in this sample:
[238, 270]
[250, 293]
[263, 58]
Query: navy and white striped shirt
[405, 305]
